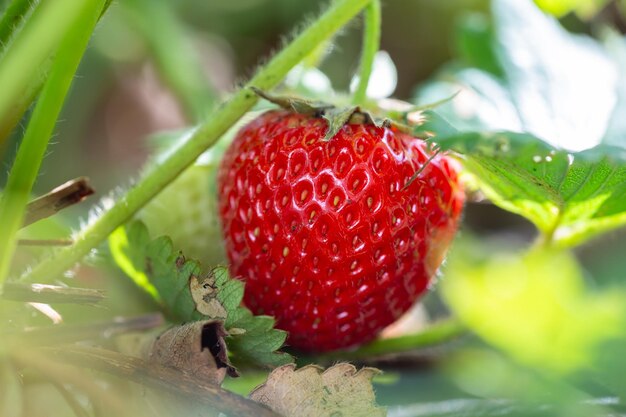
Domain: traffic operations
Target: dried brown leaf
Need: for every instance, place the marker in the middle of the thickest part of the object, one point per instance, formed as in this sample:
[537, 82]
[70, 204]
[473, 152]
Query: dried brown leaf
[204, 294]
[197, 349]
[310, 391]
[67, 194]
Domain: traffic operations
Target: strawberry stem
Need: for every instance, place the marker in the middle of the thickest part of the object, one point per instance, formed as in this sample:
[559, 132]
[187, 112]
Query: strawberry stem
[371, 43]
[203, 138]
[12, 19]
[435, 334]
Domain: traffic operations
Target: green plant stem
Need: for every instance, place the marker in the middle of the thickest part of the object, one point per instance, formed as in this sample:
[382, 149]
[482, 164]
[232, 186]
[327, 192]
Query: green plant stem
[12, 19]
[371, 44]
[23, 63]
[173, 52]
[33, 147]
[33, 87]
[436, 334]
[204, 137]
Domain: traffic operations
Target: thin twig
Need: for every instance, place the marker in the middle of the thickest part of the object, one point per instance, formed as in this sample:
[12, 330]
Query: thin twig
[69, 333]
[50, 294]
[421, 169]
[65, 195]
[44, 242]
[162, 378]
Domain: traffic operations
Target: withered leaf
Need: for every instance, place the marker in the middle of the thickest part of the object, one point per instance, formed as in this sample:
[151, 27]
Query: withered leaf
[65, 195]
[310, 391]
[204, 293]
[196, 348]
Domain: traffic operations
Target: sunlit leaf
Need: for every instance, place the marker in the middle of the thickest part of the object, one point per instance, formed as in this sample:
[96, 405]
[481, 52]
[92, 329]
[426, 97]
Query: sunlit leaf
[555, 85]
[123, 255]
[483, 101]
[563, 85]
[584, 8]
[536, 308]
[616, 130]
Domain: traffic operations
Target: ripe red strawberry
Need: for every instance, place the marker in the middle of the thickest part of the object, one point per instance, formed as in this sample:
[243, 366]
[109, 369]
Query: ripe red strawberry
[326, 234]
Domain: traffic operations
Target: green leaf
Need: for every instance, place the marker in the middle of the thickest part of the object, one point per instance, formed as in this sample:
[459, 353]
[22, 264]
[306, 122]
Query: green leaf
[563, 84]
[548, 104]
[536, 307]
[555, 85]
[126, 258]
[188, 293]
[259, 342]
[569, 197]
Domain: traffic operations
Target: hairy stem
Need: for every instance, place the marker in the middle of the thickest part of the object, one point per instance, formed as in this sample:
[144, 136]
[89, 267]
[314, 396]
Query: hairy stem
[27, 64]
[33, 147]
[371, 43]
[204, 137]
[13, 17]
[27, 54]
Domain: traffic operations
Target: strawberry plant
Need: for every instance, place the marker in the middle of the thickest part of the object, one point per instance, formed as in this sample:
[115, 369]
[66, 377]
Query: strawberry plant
[298, 248]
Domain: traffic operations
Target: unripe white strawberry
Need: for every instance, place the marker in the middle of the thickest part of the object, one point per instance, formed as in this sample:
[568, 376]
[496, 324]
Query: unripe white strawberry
[186, 210]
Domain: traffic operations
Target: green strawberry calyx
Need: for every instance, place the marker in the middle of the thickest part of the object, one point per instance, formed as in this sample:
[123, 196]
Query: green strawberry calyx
[405, 117]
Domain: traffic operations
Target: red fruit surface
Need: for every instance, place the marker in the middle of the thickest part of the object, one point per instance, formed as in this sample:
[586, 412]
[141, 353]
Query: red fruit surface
[326, 235]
